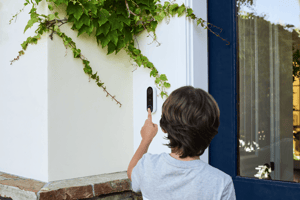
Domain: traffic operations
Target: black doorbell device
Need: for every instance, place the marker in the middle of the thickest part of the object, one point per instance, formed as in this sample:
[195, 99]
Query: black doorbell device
[151, 98]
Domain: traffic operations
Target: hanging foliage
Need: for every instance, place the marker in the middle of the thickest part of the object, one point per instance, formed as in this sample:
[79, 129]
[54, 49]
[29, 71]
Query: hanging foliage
[116, 22]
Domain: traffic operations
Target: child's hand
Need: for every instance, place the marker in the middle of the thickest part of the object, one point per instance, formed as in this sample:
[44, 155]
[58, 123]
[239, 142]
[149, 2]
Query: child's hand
[149, 130]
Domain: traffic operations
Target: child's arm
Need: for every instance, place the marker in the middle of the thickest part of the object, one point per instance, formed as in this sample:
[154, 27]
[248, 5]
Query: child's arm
[148, 132]
[143, 148]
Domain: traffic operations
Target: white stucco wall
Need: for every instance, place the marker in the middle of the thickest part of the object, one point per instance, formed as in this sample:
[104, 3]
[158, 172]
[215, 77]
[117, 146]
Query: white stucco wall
[89, 133]
[23, 96]
[74, 129]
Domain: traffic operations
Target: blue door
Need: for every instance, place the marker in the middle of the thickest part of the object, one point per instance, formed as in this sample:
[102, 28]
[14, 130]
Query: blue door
[255, 80]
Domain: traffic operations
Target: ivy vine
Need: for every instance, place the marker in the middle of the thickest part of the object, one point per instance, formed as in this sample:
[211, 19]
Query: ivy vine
[117, 23]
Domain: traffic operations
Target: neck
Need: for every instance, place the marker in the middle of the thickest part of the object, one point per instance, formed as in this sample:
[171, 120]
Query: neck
[176, 156]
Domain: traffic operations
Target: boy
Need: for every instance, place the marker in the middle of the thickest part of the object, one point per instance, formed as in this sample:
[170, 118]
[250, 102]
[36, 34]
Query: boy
[190, 117]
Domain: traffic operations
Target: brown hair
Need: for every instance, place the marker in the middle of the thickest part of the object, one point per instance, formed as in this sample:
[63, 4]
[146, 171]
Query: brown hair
[190, 116]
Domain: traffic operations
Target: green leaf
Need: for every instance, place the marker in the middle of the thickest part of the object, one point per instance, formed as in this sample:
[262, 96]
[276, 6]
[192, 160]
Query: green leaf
[162, 94]
[94, 10]
[180, 10]
[154, 25]
[113, 36]
[121, 10]
[88, 70]
[157, 80]
[131, 46]
[86, 62]
[71, 18]
[167, 85]
[138, 60]
[51, 17]
[76, 52]
[166, 4]
[75, 9]
[125, 20]
[103, 16]
[104, 39]
[153, 73]
[111, 48]
[150, 65]
[50, 7]
[173, 6]
[115, 24]
[189, 11]
[173, 9]
[146, 2]
[85, 20]
[78, 24]
[163, 77]
[89, 6]
[30, 23]
[94, 75]
[136, 51]
[95, 23]
[55, 28]
[136, 19]
[160, 17]
[137, 11]
[199, 21]
[128, 35]
[144, 59]
[58, 2]
[121, 44]
[85, 28]
[38, 1]
[56, 15]
[193, 16]
[103, 29]
[24, 45]
[100, 84]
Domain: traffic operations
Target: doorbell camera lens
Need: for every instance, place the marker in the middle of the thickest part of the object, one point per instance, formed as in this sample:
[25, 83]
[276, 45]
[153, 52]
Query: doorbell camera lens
[149, 90]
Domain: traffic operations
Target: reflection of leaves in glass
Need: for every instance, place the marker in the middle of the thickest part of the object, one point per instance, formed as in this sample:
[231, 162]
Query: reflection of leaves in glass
[243, 2]
[248, 147]
[296, 64]
[296, 157]
[263, 172]
[297, 136]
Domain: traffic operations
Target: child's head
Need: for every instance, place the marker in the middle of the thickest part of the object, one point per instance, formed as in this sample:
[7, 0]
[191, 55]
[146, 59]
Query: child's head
[190, 116]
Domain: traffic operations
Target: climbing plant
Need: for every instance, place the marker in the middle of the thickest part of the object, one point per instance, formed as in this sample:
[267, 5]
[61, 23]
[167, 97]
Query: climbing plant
[116, 24]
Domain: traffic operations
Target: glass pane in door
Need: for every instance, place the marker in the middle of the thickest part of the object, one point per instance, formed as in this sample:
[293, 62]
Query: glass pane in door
[269, 89]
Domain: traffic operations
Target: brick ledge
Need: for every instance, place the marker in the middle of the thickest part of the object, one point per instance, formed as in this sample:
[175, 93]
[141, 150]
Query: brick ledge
[15, 187]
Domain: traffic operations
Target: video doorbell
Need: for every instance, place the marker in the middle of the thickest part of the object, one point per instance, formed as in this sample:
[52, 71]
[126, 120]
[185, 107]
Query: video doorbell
[151, 98]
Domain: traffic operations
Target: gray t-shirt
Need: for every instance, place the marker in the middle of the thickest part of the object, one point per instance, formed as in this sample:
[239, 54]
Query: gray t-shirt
[162, 177]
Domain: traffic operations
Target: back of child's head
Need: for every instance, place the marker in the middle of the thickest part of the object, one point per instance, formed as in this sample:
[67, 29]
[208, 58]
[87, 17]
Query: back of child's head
[190, 117]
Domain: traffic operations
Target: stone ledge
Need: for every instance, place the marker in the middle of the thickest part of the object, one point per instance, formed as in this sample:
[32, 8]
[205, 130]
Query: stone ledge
[90, 187]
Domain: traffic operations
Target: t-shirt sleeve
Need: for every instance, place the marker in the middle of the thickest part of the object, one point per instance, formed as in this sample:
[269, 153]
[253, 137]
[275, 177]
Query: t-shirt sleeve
[137, 175]
[229, 192]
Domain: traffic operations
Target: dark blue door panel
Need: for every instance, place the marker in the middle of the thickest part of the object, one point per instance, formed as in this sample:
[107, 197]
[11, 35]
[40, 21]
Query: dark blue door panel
[222, 86]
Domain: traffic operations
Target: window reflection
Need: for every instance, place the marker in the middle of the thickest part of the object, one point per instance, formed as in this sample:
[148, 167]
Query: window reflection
[269, 89]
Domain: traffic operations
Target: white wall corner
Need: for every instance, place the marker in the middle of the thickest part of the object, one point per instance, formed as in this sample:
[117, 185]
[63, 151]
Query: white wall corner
[23, 95]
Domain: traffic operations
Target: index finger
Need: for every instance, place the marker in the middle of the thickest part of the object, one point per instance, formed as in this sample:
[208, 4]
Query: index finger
[149, 114]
